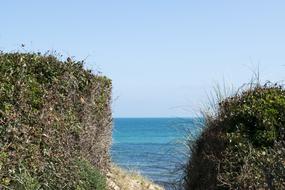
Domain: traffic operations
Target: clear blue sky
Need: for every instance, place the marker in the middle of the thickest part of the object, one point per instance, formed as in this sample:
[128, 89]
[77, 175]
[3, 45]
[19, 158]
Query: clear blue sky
[163, 56]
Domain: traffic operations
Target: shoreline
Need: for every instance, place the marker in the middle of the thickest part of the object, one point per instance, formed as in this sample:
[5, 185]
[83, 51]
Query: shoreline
[120, 179]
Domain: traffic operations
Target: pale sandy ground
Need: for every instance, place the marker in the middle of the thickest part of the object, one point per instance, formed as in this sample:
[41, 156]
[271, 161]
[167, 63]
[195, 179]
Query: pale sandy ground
[119, 179]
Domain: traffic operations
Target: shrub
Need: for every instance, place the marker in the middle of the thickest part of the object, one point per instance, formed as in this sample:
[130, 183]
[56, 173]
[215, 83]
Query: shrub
[24, 181]
[243, 144]
[90, 177]
[52, 112]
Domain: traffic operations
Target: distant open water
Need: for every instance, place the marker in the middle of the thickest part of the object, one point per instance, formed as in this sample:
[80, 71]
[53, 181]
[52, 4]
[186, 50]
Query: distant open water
[152, 146]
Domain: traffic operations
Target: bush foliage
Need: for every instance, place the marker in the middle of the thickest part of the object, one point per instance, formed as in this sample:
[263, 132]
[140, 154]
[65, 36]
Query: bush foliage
[90, 177]
[52, 114]
[243, 144]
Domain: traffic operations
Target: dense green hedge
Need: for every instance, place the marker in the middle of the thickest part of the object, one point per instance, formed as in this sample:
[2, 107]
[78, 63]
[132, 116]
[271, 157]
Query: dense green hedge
[55, 118]
[243, 144]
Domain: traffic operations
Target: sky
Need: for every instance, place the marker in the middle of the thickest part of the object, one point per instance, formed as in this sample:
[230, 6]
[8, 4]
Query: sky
[163, 56]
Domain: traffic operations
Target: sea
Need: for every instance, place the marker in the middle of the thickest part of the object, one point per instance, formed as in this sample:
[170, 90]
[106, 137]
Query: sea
[154, 147]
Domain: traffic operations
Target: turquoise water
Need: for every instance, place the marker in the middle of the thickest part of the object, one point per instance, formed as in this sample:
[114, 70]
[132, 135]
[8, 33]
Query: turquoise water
[152, 146]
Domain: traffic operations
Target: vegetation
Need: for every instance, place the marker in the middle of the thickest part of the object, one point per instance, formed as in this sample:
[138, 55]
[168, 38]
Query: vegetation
[90, 177]
[243, 143]
[55, 123]
[129, 180]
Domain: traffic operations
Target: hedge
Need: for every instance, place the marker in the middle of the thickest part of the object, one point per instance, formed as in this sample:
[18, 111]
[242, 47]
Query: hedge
[54, 114]
[243, 143]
